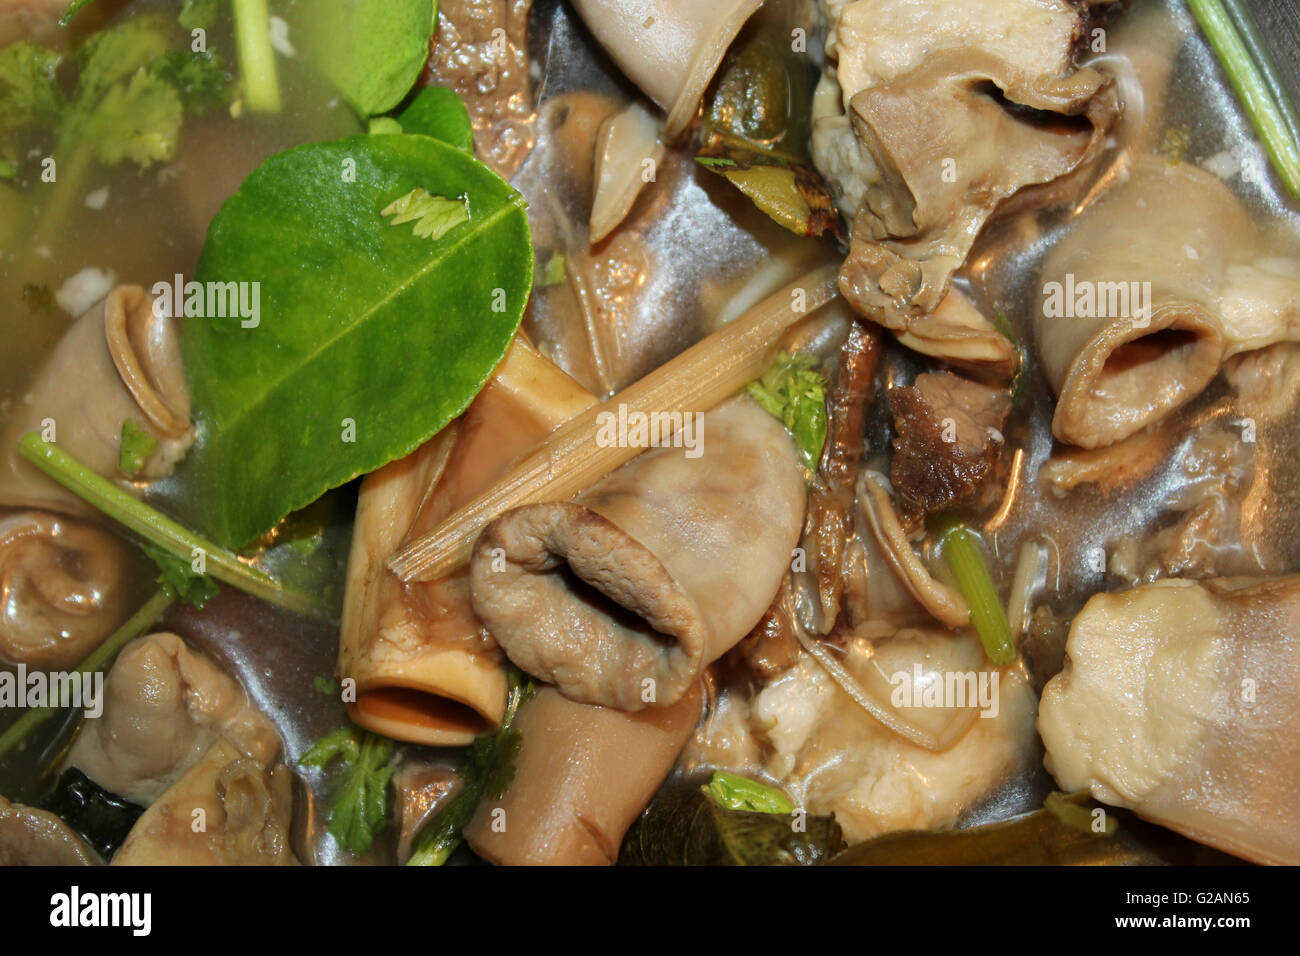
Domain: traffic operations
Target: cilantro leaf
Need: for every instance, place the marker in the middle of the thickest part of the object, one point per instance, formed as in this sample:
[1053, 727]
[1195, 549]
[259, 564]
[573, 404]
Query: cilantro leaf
[793, 391]
[553, 272]
[75, 7]
[325, 685]
[137, 446]
[179, 579]
[121, 110]
[199, 79]
[29, 92]
[114, 55]
[740, 793]
[434, 216]
[139, 121]
[359, 808]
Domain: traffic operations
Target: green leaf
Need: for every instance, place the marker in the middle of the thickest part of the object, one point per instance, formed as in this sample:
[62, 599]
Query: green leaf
[116, 54]
[794, 392]
[438, 112]
[29, 91]
[371, 50]
[553, 273]
[140, 121]
[358, 809]
[200, 79]
[740, 793]
[719, 161]
[120, 110]
[359, 322]
[325, 685]
[381, 125]
[434, 216]
[137, 446]
[198, 14]
[75, 7]
[179, 580]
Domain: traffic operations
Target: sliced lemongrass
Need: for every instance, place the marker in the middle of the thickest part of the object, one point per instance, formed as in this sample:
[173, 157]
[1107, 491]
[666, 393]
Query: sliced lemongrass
[97, 660]
[572, 459]
[158, 529]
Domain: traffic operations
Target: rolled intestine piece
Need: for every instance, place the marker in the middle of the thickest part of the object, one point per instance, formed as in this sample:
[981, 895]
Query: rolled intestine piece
[1178, 701]
[63, 587]
[622, 596]
[583, 775]
[228, 809]
[1158, 282]
[669, 48]
[164, 705]
[119, 362]
[425, 667]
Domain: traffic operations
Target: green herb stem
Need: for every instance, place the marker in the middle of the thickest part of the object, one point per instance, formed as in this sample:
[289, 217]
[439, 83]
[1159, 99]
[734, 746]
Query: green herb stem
[75, 7]
[257, 56]
[962, 552]
[1251, 84]
[97, 660]
[70, 176]
[160, 530]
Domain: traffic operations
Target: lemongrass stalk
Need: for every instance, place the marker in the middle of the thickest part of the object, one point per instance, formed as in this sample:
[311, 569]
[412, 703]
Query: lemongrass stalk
[571, 459]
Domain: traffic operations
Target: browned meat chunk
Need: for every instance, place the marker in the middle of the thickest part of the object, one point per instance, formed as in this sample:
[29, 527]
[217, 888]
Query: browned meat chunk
[949, 439]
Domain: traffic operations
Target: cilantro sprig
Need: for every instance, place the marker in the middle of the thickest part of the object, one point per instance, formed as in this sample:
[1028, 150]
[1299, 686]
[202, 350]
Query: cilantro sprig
[179, 580]
[358, 810]
[793, 391]
[136, 447]
[434, 216]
